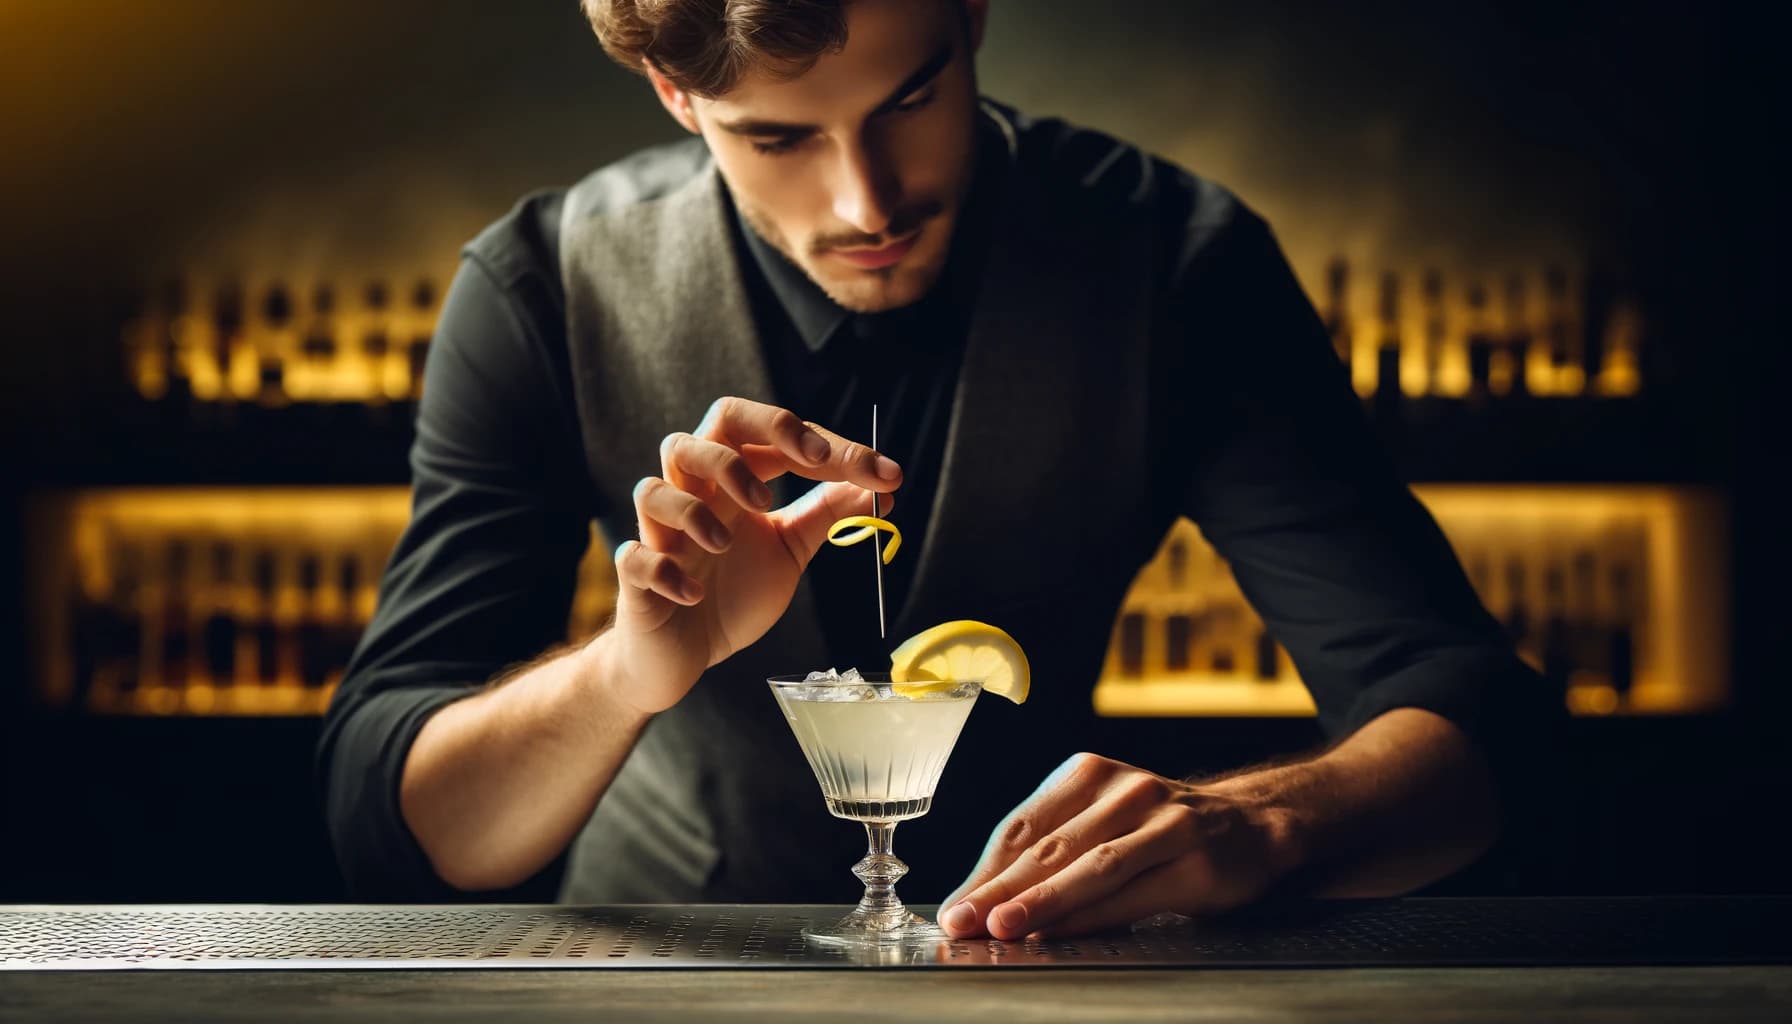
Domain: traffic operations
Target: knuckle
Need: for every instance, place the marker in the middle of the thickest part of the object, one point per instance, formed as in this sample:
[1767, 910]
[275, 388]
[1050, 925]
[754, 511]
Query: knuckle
[1044, 894]
[1143, 790]
[786, 423]
[1016, 834]
[1052, 851]
[1183, 820]
[1106, 859]
[853, 451]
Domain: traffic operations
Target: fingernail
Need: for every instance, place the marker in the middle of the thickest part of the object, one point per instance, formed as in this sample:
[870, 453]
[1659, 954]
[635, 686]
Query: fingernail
[692, 590]
[887, 468]
[761, 495]
[1011, 917]
[717, 536]
[961, 918]
[814, 446]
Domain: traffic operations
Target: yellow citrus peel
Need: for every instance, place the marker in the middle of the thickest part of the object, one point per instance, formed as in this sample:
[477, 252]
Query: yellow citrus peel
[869, 526]
[964, 650]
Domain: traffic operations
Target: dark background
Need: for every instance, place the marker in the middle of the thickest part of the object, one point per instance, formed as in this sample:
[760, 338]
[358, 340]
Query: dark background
[203, 136]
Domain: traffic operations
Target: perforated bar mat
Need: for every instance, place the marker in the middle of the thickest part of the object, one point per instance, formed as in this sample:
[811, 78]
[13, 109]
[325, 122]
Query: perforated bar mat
[1405, 932]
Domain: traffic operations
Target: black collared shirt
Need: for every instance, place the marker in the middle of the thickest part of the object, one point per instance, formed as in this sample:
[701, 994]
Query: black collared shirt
[1345, 567]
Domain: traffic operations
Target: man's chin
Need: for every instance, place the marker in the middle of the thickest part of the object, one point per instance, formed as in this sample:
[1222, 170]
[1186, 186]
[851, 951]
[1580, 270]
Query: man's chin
[878, 291]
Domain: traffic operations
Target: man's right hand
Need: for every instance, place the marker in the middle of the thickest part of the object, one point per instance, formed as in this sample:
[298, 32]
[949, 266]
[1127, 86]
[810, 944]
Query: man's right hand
[716, 565]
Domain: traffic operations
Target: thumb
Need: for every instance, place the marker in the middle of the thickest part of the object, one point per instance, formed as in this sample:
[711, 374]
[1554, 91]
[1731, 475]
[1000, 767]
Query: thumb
[805, 521]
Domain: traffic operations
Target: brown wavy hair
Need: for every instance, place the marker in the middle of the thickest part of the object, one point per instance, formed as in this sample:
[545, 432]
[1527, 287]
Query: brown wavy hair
[705, 46]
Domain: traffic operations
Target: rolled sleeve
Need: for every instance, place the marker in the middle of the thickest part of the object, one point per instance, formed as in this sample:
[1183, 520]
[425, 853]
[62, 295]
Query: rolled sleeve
[481, 579]
[1350, 573]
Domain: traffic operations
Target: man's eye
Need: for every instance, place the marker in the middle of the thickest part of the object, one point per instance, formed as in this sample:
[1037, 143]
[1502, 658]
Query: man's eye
[777, 146]
[916, 102]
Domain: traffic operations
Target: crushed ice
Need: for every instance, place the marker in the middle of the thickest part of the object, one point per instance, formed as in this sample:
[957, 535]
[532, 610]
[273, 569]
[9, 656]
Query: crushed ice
[837, 693]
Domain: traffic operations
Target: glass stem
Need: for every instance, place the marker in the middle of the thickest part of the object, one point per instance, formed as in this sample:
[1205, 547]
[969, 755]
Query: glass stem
[880, 870]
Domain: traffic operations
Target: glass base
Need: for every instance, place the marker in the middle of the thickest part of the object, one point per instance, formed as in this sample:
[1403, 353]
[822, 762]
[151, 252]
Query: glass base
[863, 927]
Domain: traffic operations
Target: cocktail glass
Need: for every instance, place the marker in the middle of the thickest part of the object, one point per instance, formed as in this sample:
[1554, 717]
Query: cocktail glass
[878, 756]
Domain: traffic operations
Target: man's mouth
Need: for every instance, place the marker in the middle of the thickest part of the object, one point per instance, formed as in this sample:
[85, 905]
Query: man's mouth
[876, 259]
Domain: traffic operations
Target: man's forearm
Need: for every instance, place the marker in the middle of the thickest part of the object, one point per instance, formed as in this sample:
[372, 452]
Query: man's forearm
[496, 785]
[1404, 801]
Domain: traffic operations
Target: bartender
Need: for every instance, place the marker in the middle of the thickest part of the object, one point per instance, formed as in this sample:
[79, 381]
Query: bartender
[1070, 343]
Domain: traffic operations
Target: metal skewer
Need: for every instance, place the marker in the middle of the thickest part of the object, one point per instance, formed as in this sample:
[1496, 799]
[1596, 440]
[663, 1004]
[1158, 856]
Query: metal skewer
[877, 540]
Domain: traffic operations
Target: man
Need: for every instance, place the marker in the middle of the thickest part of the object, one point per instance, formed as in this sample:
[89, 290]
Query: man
[1069, 343]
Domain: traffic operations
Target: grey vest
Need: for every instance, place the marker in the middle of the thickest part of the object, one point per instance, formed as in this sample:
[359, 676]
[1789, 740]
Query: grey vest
[1040, 521]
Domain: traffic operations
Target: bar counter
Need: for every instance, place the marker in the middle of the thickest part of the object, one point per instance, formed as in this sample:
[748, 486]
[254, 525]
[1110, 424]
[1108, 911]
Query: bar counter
[1645, 959]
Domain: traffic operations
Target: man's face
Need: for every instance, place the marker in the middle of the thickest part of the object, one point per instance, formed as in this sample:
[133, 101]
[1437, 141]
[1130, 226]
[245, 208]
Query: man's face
[856, 170]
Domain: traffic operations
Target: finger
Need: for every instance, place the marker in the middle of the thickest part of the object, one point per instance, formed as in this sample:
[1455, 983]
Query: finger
[680, 512]
[1153, 891]
[776, 441]
[1115, 813]
[804, 522]
[701, 467]
[1070, 788]
[740, 421]
[1094, 877]
[650, 571]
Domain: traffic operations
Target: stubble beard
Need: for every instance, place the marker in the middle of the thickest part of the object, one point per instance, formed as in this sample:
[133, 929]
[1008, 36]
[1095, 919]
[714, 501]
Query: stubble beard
[861, 291]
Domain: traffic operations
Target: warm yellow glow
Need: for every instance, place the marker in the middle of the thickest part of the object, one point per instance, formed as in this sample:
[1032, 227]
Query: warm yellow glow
[1668, 541]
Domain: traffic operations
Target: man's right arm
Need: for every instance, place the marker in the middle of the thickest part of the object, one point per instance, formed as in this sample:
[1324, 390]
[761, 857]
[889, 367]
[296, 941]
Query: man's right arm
[481, 580]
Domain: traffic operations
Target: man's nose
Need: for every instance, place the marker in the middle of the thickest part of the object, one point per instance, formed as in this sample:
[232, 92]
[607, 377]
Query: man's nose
[865, 193]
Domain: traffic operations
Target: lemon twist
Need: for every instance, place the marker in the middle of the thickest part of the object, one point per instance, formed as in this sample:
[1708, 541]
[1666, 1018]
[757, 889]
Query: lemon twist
[869, 526]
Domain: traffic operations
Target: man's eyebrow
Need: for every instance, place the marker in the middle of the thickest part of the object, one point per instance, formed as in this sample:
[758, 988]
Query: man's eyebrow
[929, 69]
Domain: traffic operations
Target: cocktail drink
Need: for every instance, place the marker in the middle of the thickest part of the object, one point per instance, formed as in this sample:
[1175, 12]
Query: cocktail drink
[878, 752]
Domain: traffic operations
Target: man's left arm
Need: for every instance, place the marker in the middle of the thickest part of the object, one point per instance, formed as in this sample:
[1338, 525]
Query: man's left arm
[1437, 724]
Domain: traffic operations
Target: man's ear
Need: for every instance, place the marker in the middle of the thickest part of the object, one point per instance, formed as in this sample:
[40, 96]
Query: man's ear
[676, 101]
[978, 13]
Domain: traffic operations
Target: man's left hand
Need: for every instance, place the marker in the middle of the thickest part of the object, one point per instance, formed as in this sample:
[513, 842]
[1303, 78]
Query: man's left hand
[1101, 844]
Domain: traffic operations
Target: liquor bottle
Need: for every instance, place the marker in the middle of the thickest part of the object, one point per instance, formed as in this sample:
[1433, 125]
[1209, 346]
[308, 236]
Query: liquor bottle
[319, 347]
[177, 391]
[177, 620]
[1132, 644]
[219, 631]
[1179, 629]
[270, 661]
[312, 631]
[236, 356]
[1562, 351]
[1337, 315]
[1480, 339]
[345, 628]
[1436, 335]
[1620, 372]
[1387, 349]
[121, 662]
[1223, 625]
[423, 313]
[376, 344]
[275, 345]
[1268, 670]
[1509, 368]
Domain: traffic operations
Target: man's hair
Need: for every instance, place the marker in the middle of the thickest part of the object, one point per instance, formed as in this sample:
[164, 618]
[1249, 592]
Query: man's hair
[705, 46]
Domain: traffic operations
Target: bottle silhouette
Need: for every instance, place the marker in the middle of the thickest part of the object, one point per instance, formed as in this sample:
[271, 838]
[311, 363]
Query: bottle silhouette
[1620, 637]
[1559, 349]
[220, 629]
[235, 360]
[121, 663]
[345, 629]
[1436, 332]
[177, 623]
[1480, 339]
[1132, 644]
[319, 346]
[313, 631]
[1516, 347]
[177, 392]
[1518, 619]
[276, 315]
[1179, 633]
[1267, 669]
[268, 660]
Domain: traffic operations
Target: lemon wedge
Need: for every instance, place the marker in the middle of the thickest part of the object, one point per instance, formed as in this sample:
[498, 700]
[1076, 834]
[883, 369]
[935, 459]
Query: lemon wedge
[964, 650]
